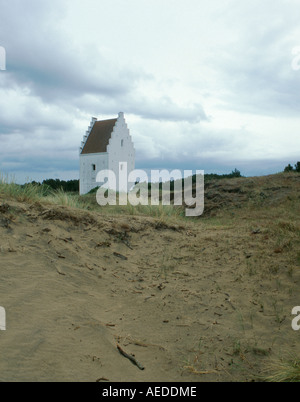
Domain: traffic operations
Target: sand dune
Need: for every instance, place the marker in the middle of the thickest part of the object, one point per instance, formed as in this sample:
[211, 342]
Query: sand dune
[205, 300]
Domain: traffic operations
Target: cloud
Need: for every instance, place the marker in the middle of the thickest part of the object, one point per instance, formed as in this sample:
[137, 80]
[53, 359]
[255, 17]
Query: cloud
[200, 85]
[183, 142]
[165, 108]
[49, 63]
[255, 60]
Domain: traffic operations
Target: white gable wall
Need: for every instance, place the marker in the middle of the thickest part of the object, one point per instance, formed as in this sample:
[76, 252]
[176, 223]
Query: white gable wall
[120, 149]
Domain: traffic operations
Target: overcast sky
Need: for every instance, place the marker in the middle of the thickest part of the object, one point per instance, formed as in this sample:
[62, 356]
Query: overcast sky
[212, 85]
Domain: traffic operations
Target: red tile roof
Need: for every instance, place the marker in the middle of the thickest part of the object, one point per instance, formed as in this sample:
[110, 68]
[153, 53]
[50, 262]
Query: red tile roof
[99, 137]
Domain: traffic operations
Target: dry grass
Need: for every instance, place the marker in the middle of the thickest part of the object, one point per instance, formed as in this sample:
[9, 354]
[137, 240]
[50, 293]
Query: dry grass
[36, 193]
[283, 370]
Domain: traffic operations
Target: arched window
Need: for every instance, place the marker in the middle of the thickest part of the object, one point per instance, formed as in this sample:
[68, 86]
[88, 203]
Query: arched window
[122, 143]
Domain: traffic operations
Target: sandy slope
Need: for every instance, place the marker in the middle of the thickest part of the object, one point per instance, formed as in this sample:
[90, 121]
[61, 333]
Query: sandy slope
[195, 301]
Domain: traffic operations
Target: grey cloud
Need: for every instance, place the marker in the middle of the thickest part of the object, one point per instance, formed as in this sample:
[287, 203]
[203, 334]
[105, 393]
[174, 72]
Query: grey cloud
[65, 75]
[47, 62]
[159, 109]
[30, 163]
[50, 66]
[165, 109]
[188, 142]
[254, 66]
[263, 87]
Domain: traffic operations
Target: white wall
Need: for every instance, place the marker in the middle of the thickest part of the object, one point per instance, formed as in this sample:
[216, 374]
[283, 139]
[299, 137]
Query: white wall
[121, 149]
[87, 177]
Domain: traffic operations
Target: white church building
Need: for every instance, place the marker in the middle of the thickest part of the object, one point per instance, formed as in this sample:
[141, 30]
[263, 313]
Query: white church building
[107, 144]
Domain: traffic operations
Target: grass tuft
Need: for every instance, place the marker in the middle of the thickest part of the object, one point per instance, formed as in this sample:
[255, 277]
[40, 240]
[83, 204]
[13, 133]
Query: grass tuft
[283, 371]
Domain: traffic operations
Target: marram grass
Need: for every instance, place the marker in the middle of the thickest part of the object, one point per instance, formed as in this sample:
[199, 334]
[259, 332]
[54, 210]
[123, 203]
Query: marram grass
[33, 192]
[283, 371]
